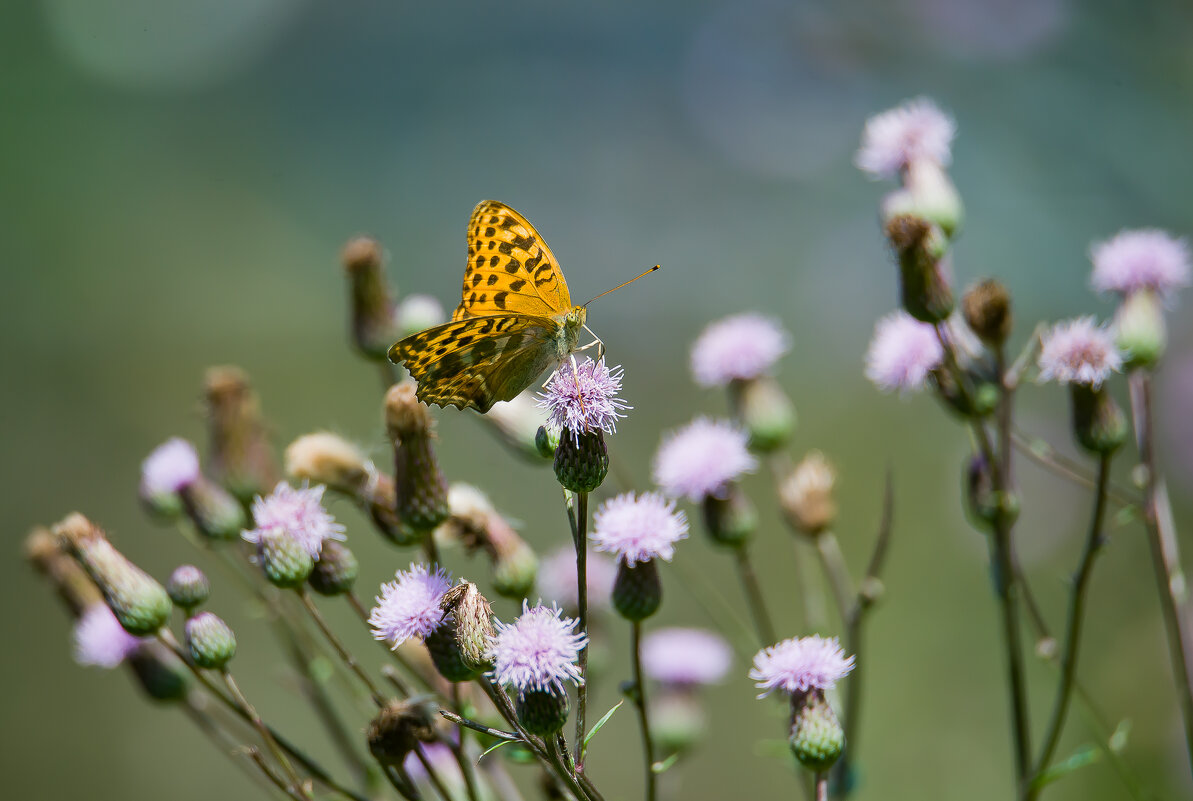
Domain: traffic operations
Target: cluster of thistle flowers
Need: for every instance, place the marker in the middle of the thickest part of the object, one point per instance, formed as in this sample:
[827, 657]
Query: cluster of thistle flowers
[961, 356]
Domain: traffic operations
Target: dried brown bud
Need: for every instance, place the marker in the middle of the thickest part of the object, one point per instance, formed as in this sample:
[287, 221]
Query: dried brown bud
[398, 729]
[807, 495]
[478, 526]
[372, 312]
[326, 458]
[473, 618]
[241, 458]
[70, 581]
[987, 309]
[405, 415]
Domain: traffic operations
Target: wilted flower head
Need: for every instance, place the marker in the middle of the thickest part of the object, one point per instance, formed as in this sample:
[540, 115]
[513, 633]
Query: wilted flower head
[100, 640]
[639, 529]
[171, 466]
[903, 353]
[557, 578]
[685, 657]
[410, 606]
[538, 651]
[799, 665]
[300, 512]
[743, 347]
[1142, 259]
[701, 459]
[585, 398]
[1079, 352]
[896, 138]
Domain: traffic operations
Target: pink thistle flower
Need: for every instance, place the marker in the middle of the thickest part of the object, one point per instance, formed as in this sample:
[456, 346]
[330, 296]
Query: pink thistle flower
[742, 347]
[171, 466]
[639, 529]
[800, 665]
[1142, 259]
[685, 657]
[557, 578]
[538, 651]
[585, 398]
[701, 459]
[100, 640]
[410, 606]
[903, 353]
[896, 138]
[1079, 352]
[441, 759]
[300, 513]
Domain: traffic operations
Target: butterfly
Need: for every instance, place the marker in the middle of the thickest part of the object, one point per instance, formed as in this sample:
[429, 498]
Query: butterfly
[515, 318]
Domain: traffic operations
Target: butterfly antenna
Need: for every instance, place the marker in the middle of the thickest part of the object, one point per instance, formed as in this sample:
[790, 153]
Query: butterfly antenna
[619, 286]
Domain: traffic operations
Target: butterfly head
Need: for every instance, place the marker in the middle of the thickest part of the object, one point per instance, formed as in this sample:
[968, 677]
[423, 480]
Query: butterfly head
[576, 317]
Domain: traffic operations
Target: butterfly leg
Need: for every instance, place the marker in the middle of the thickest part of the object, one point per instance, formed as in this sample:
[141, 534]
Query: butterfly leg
[595, 341]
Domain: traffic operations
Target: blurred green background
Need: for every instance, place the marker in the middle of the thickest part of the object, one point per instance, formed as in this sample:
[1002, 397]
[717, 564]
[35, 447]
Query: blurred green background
[179, 175]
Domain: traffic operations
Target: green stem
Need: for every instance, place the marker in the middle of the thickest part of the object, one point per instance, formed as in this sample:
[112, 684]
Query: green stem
[339, 648]
[266, 734]
[643, 717]
[581, 535]
[754, 599]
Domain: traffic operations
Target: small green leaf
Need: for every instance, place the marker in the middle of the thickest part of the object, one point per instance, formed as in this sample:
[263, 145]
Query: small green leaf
[1086, 755]
[601, 723]
[493, 748]
[665, 765]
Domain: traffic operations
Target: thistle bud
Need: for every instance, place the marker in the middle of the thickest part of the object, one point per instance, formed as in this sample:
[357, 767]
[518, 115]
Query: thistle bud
[806, 495]
[374, 327]
[336, 570]
[1139, 329]
[69, 580]
[987, 505]
[284, 560]
[1099, 425]
[472, 617]
[210, 641]
[546, 441]
[925, 280]
[241, 458]
[676, 721]
[216, 514]
[933, 196]
[637, 591]
[582, 461]
[478, 526]
[766, 412]
[398, 729]
[516, 424]
[987, 310]
[326, 458]
[817, 738]
[188, 587]
[542, 712]
[447, 654]
[158, 672]
[978, 399]
[138, 601]
[731, 519]
[419, 484]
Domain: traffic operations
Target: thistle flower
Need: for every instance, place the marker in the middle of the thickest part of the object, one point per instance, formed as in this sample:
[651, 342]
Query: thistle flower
[799, 665]
[895, 139]
[100, 640]
[1079, 352]
[741, 347]
[701, 459]
[1146, 258]
[582, 398]
[557, 579]
[680, 657]
[410, 607]
[300, 513]
[903, 353]
[171, 466]
[639, 529]
[538, 651]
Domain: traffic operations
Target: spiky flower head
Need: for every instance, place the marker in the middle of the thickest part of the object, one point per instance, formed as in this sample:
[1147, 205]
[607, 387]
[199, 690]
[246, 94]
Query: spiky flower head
[210, 640]
[895, 139]
[701, 459]
[582, 397]
[336, 570]
[1147, 258]
[538, 651]
[682, 657]
[411, 605]
[800, 665]
[903, 353]
[100, 640]
[1079, 352]
[557, 578]
[741, 347]
[188, 586]
[171, 466]
[300, 513]
[639, 528]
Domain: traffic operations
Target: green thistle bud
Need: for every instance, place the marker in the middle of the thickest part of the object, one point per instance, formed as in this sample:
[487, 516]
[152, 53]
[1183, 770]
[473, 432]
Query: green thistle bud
[188, 587]
[335, 571]
[1139, 329]
[1099, 425]
[283, 558]
[420, 487]
[373, 326]
[516, 424]
[766, 411]
[546, 441]
[160, 675]
[582, 462]
[241, 458]
[216, 514]
[980, 400]
[676, 721]
[731, 520]
[986, 505]
[637, 591]
[542, 713]
[817, 738]
[987, 310]
[210, 641]
[472, 619]
[162, 506]
[398, 729]
[138, 601]
[923, 268]
[446, 653]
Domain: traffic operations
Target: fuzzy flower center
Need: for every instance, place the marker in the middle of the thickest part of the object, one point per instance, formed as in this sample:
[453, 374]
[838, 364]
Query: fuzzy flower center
[701, 459]
[538, 651]
[639, 529]
[300, 513]
[410, 606]
[582, 397]
[799, 665]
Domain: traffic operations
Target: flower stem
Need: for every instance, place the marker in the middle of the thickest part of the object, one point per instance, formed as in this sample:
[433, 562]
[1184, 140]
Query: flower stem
[581, 538]
[339, 648]
[266, 734]
[821, 787]
[643, 718]
[754, 599]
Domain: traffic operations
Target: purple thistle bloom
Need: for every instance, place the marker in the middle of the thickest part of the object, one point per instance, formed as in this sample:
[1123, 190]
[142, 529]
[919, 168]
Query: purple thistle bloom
[639, 529]
[1079, 352]
[685, 657]
[441, 759]
[799, 665]
[903, 353]
[171, 466]
[583, 397]
[1142, 259]
[100, 640]
[896, 138]
[557, 578]
[538, 651]
[409, 607]
[300, 512]
[701, 459]
[742, 347]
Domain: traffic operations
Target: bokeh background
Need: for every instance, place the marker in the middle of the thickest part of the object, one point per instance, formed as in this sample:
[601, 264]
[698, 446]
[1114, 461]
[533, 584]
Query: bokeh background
[179, 175]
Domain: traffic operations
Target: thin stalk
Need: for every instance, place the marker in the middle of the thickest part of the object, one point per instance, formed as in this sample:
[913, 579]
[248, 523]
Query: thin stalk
[754, 599]
[266, 734]
[643, 717]
[1068, 670]
[811, 601]
[459, 750]
[223, 740]
[339, 648]
[821, 787]
[426, 681]
[274, 779]
[833, 562]
[432, 774]
[401, 781]
[431, 548]
[581, 532]
[1042, 453]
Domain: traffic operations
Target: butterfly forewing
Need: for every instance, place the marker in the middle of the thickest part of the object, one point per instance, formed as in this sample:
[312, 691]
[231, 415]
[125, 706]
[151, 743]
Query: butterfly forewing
[510, 268]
